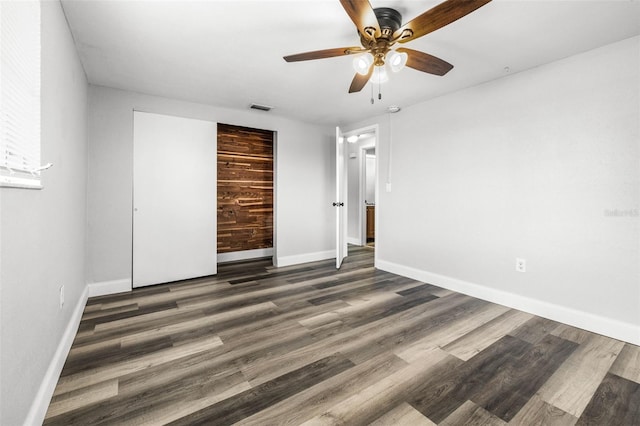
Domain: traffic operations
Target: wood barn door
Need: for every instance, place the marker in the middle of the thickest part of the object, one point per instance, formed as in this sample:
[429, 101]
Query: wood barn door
[245, 191]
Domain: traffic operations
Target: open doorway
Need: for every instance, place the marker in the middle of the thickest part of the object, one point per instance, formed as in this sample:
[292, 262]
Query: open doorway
[361, 184]
[245, 193]
[368, 184]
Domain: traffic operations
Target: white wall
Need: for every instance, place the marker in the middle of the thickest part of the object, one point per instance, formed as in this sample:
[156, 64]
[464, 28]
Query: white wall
[43, 231]
[304, 216]
[527, 166]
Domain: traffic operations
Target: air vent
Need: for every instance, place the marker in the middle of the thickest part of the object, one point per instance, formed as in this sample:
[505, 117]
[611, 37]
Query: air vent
[261, 107]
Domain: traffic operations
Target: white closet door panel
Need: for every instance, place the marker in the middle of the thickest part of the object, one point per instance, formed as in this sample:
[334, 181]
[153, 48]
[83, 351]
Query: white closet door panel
[174, 198]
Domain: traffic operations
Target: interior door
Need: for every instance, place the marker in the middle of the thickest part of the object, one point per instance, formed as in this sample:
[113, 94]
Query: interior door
[340, 200]
[174, 198]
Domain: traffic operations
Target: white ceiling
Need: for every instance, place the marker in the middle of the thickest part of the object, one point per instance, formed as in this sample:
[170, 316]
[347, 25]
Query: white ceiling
[229, 53]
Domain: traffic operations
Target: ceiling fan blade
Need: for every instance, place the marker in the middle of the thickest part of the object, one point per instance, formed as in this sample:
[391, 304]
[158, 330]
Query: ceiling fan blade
[362, 14]
[321, 54]
[424, 62]
[359, 81]
[437, 17]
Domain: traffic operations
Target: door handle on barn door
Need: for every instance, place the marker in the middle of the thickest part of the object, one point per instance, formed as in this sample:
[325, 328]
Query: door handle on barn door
[338, 204]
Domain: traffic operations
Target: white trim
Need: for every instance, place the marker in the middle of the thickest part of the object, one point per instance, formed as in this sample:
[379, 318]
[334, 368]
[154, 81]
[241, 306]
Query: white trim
[41, 402]
[244, 254]
[109, 287]
[585, 320]
[304, 258]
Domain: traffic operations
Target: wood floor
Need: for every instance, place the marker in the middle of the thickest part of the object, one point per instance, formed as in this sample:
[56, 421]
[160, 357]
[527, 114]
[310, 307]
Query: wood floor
[311, 345]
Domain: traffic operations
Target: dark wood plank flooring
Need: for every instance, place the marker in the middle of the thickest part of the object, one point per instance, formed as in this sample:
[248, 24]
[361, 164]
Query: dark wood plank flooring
[309, 344]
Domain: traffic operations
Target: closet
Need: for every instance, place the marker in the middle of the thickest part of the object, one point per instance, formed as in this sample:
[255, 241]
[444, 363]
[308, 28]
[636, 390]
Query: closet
[245, 189]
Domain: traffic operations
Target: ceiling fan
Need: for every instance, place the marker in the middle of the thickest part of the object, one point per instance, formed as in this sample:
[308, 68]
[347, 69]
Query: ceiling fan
[381, 28]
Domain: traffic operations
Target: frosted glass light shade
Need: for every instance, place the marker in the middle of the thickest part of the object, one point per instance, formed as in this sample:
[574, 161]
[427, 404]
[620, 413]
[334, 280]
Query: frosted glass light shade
[379, 75]
[397, 60]
[361, 63]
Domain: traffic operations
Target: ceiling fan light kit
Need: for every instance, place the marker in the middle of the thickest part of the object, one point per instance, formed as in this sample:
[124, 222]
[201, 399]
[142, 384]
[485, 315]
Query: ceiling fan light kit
[381, 28]
[379, 75]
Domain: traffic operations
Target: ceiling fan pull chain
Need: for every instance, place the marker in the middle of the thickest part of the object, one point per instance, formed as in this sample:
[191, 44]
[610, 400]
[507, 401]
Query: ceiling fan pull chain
[372, 93]
[379, 93]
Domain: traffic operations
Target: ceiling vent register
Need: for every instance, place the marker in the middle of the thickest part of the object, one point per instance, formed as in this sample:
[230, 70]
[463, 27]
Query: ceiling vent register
[260, 107]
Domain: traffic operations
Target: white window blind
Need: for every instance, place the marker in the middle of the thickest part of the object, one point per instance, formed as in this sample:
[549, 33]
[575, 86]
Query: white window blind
[20, 93]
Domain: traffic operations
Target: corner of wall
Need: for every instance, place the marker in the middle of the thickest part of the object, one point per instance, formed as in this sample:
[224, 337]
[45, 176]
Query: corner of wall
[109, 287]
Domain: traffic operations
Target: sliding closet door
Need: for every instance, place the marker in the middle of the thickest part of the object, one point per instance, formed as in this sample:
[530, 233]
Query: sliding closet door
[174, 198]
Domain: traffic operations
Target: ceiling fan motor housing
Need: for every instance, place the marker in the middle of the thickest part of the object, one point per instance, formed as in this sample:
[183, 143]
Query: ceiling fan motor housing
[388, 19]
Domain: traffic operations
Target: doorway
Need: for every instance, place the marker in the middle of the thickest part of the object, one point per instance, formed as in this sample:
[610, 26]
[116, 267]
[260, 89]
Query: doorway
[368, 184]
[362, 186]
[245, 193]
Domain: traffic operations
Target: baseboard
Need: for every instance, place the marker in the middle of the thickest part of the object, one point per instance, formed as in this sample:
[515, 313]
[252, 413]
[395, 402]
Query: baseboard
[354, 241]
[244, 255]
[109, 287]
[304, 258]
[41, 402]
[598, 324]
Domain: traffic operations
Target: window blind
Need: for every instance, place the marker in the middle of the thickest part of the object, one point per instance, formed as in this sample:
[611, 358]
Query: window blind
[20, 93]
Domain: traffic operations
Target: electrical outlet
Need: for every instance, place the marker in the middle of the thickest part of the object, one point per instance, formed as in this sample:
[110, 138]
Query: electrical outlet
[521, 265]
[61, 296]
